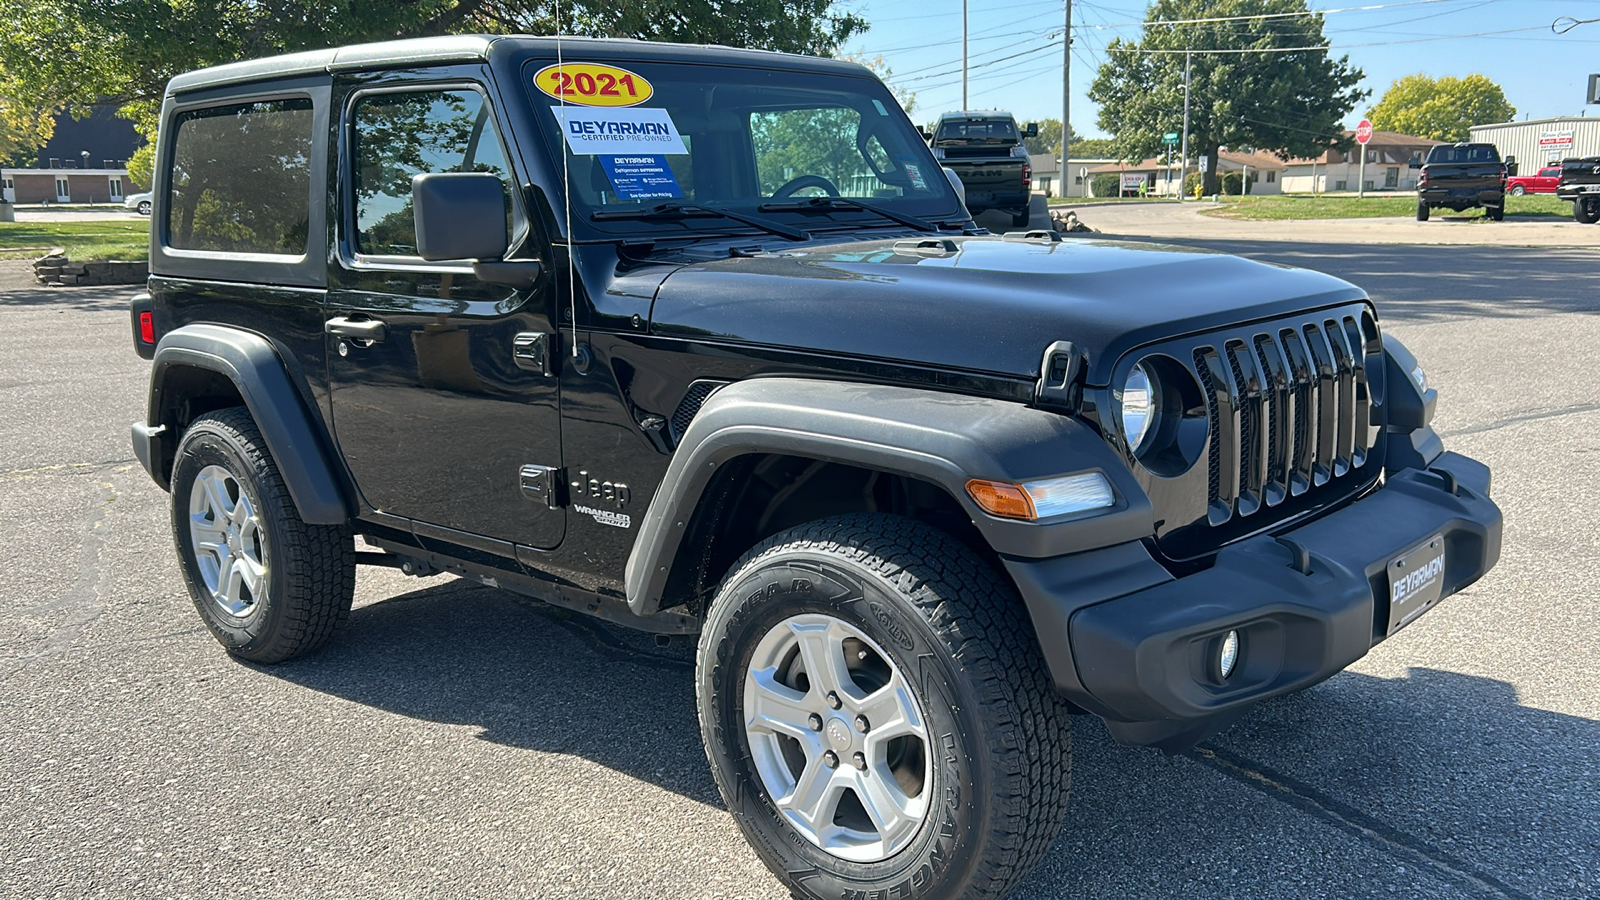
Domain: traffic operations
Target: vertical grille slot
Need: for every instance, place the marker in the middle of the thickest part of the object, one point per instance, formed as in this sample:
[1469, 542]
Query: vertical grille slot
[1363, 393]
[1327, 391]
[1225, 432]
[1303, 459]
[1280, 417]
[1344, 368]
[1252, 426]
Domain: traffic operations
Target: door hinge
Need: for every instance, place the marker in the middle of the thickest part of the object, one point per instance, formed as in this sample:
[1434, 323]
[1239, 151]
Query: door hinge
[533, 350]
[543, 484]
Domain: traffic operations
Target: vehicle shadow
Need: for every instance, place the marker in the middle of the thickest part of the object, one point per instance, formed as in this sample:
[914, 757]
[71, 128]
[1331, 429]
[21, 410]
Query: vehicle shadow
[1421, 282]
[1432, 784]
[107, 298]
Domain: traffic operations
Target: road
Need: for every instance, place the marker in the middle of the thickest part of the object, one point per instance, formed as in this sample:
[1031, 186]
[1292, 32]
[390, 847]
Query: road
[459, 741]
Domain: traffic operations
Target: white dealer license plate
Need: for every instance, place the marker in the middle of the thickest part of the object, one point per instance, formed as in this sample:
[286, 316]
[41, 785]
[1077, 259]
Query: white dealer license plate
[1416, 581]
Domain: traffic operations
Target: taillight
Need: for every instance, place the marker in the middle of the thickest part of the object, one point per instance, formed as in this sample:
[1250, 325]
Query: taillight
[1027, 175]
[147, 326]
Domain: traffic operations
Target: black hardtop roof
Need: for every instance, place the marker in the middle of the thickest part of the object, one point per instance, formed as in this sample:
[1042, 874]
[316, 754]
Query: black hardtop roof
[478, 47]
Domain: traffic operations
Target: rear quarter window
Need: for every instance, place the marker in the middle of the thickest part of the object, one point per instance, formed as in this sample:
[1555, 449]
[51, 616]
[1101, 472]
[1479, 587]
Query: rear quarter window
[241, 178]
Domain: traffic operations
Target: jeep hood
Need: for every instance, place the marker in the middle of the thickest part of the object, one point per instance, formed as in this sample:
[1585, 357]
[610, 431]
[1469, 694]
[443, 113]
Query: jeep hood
[982, 305]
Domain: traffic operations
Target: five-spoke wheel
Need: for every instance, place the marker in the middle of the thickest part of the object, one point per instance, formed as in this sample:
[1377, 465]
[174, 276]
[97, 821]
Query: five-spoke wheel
[837, 737]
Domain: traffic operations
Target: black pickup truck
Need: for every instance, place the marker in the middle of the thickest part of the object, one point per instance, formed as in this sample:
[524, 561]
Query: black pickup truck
[985, 151]
[1580, 186]
[1461, 176]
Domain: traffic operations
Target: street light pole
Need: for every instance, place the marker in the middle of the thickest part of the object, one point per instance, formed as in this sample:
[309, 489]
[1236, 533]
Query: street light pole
[1066, 95]
[1183, 162]
[963, 55]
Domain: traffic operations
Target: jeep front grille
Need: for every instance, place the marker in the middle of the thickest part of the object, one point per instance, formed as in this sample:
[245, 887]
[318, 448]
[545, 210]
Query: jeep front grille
[1290, 409]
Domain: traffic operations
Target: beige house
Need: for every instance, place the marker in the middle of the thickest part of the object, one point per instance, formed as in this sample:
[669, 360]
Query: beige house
[1388, 157]
[1047, 180]
[1161, 177]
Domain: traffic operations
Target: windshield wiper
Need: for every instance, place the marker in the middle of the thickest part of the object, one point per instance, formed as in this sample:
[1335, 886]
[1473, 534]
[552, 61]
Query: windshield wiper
[824, 204]
[675, 210]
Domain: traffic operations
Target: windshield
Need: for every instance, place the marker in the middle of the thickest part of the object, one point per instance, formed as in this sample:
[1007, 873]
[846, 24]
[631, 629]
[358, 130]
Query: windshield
[989, 131]
[640, 134]
[1472, 153]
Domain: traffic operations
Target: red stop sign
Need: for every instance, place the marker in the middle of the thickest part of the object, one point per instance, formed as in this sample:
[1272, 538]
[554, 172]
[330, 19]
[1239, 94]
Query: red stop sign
[1363, 132]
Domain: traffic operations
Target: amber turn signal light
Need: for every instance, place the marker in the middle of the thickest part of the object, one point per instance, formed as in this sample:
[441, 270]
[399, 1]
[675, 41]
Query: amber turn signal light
[997, 498]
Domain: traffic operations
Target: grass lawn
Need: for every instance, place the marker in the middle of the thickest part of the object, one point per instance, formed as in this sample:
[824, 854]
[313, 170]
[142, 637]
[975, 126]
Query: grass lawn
[84, 241]
[1374, 207]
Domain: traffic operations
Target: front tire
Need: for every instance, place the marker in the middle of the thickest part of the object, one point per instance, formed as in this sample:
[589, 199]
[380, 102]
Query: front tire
[269, 586]
[1422, 211]
[878, 716]
[144, 207]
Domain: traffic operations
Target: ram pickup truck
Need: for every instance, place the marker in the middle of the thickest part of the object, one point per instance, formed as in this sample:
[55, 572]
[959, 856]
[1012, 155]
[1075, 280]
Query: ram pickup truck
[700, 341]
[1580, 186]
[1542, 182]
[985, 151]
[1461, 176]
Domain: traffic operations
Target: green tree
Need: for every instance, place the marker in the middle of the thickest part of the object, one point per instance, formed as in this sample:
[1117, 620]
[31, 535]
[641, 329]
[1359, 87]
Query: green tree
[1264, 83]
[125, 51]
[1441, 108]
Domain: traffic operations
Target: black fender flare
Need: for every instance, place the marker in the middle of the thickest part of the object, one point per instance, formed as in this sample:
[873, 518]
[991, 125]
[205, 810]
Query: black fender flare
[296, 440]
[937, 437]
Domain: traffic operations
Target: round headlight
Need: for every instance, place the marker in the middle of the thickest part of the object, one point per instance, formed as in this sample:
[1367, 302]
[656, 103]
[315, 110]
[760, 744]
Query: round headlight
[1138, 406]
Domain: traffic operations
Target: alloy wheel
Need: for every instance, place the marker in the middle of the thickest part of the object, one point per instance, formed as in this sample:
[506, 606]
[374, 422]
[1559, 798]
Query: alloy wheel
[837, 737]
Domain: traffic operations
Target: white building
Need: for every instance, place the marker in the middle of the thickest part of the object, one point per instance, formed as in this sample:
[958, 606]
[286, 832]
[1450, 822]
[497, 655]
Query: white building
[1389, 156]
[1539, 142]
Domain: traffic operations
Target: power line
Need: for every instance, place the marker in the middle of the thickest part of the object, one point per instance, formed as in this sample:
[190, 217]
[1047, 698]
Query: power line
[1283, 15]
[1128, 48]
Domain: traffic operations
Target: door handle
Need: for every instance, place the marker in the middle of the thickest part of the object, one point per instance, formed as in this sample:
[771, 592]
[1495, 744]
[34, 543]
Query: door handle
[370, 330]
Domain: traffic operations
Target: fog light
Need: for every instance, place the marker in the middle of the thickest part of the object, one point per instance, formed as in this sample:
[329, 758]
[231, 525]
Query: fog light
[1229, 657]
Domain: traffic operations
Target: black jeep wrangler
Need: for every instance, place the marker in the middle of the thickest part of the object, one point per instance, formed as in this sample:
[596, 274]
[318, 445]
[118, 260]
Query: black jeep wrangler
[702, 341]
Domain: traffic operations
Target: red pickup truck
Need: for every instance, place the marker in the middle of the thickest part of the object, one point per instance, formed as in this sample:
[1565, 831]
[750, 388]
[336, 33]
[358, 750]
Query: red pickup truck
[1544, 182]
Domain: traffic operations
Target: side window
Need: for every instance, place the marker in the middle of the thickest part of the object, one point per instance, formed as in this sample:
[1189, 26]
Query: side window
[241, 178]
[401, 135]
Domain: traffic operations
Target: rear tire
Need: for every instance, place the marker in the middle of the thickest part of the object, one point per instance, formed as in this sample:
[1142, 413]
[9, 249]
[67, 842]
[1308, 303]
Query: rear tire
[269, 586]
[1498, 213]
[1586, 210]
[978, 792]
[144, 207]
[1422, 211]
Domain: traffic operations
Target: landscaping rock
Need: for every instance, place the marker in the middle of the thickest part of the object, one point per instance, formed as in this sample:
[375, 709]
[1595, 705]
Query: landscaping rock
[55, 269]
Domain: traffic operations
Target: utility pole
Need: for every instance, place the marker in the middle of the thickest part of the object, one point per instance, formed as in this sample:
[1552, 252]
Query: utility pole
[1183, 162]
[1066, 96]
[964, 55]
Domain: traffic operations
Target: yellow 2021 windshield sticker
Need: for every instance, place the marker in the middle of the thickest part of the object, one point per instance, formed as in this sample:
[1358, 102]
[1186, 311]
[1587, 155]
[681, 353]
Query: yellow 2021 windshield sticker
[593, 84]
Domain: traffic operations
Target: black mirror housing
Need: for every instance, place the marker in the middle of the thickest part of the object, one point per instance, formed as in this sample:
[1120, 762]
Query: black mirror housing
[459, 215]
[1032, 131]
[1415, 163]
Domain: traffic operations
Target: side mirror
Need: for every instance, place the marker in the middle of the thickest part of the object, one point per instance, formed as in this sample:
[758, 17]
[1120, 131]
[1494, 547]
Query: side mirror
[955, 183]
[1511, 166]
[1416, 162]
[1032, 130]
[462, 215]
[926, 134]
[459, 215]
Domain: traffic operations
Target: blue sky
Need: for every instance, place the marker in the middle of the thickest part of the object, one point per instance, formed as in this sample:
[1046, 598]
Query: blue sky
[1014, 49]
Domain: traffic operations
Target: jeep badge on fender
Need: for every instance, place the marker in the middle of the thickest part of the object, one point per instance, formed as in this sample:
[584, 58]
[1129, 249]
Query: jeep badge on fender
[705, 342]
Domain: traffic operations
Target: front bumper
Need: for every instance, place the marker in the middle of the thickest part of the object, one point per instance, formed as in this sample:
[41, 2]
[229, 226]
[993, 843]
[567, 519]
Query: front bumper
[1144, 661]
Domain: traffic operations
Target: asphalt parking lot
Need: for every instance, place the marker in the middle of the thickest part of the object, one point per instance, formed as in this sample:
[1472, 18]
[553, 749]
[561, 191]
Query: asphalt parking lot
[458, 741]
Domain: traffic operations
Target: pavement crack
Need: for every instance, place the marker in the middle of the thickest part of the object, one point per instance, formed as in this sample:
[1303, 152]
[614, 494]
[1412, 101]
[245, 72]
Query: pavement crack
[71, 468]
[1350, 820]
[1572, 410]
